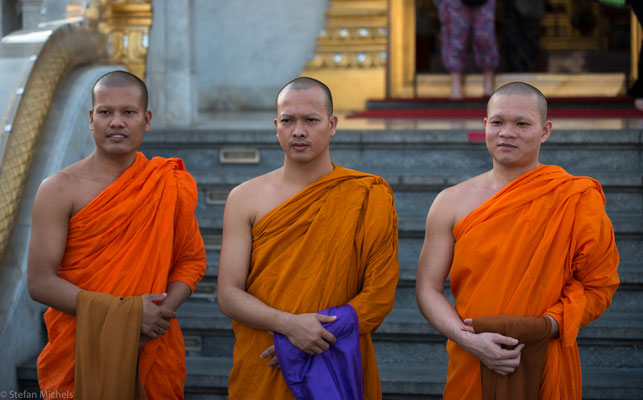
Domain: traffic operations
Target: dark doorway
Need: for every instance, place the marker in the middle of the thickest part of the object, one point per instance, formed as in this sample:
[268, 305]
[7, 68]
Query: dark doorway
[552, 36]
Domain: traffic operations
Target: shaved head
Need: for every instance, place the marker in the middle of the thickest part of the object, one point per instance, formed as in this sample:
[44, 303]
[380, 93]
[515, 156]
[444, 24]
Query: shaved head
[305, 83]
[522, 89]
[121, 79]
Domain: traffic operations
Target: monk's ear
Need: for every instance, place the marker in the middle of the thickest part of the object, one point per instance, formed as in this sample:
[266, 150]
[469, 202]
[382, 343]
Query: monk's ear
[547, 127]
[148, 120]
[91, 120]
[333, 124]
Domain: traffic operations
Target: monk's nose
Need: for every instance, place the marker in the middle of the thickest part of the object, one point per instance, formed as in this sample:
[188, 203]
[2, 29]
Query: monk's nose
[299, 130]
[117, 121]
[507, 131]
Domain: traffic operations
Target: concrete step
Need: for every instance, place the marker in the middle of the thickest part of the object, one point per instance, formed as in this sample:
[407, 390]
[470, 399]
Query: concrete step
[413, 380]
[415, 194]
[207, 378]
[628, 230]
[616, 151]
[208, 332]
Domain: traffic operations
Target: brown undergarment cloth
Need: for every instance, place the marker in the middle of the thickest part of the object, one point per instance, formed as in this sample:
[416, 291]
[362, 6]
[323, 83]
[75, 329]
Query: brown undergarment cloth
[107, 336]
[524, 382]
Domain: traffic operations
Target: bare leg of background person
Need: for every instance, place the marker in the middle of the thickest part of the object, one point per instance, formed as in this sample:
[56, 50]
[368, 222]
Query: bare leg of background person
[456, 85]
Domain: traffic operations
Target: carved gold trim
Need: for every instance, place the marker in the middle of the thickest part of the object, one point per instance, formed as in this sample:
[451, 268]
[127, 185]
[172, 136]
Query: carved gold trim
[355, 36]
[352, 52]
[126, 25]
[552, 85]
[66, 48]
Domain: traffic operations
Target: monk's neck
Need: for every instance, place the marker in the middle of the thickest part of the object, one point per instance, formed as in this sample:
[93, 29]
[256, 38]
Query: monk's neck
[302, 175]
[502, 176]
[110, 167]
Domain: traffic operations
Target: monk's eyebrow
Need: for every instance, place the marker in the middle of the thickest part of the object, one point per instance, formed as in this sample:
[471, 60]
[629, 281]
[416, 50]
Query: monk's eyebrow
[524, 117]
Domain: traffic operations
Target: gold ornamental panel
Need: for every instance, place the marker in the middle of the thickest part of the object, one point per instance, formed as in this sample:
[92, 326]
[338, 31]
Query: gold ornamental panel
[352, 52]
[126, 25]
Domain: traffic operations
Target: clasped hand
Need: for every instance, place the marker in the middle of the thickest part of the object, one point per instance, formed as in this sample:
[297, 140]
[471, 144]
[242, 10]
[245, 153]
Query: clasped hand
[305, 331]
[156, 318]
[488, 348]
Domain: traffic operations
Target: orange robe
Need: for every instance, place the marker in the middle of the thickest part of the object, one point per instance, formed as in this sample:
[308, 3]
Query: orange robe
[542, 245]
[333, 243]
[134, 238]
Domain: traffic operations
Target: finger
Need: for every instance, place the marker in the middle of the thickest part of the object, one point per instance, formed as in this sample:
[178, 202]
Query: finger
[512, 354]
[325, 318]
[506, 340]
[163, 324]
[268, 352]
[467, 328]
[151, 334]
[328, 337]
[274, 362]
[323, 345]
[468, 321]
[502, 371]
[167, 313]
[154, 296]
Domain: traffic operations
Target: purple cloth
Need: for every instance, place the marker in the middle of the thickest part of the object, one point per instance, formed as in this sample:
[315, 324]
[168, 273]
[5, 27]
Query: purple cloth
[334, 374]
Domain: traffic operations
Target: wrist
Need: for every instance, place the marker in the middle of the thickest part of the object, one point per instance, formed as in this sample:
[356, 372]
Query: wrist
[460, 336]
[284, 323]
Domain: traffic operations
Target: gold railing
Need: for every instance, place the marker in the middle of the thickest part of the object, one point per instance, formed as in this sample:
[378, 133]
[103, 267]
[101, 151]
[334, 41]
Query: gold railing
[66, 48]
[122, 38]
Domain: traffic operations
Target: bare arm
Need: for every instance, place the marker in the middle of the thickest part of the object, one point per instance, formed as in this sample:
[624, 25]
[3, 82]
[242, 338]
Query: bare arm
[303, 330]
[49, 226]
[433, 267]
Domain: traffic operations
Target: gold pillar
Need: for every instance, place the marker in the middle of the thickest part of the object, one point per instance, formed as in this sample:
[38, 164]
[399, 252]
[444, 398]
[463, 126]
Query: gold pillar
[401, 73]
[126, 25]
[636, 35]
[351, 52]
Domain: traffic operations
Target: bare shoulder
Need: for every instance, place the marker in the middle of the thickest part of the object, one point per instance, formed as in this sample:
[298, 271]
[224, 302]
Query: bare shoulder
[456, 202]
[57, 191]
[248, 191]
[249, 198]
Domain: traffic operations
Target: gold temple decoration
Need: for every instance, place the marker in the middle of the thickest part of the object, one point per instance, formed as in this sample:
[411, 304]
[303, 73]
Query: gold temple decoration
[352, 52]
[636, 36]
[355, 36]
[401, 72]
[126, 25]
[67, 47]
[559, 33]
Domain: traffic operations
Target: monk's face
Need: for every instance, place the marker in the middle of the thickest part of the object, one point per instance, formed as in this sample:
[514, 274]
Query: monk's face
[514, 130]
[304, 127]
[118, 119]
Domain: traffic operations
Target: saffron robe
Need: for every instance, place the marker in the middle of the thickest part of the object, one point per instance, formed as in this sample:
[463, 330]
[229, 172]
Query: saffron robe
[108, 329]
[541, 245]
[334, 374]
[135, 237]
[333, 243]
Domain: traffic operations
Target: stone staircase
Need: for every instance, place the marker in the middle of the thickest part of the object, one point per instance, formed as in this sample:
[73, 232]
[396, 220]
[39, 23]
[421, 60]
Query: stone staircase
[418, 164]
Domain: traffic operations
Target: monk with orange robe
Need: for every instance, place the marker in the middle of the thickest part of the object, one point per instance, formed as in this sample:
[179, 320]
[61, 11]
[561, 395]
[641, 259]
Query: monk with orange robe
[306, 237]
[118, 224]
[523, 239]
